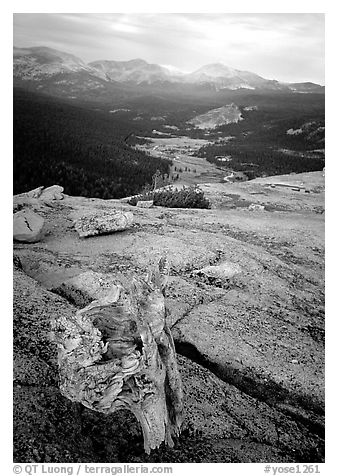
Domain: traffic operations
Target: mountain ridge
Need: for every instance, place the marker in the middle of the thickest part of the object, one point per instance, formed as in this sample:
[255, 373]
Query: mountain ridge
[39, 63]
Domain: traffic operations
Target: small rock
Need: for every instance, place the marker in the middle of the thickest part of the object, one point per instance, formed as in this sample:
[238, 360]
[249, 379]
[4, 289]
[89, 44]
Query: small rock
[103, 223]
[223, 271]
[256, 207]
[145, 203]
[294, 361]
[27, 226]
[52, 193]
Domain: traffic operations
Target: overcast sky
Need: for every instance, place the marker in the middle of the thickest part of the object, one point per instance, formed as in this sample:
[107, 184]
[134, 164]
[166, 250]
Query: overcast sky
[287, 47]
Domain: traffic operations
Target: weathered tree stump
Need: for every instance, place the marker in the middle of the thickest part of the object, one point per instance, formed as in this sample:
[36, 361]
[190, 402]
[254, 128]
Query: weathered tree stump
[119, 353]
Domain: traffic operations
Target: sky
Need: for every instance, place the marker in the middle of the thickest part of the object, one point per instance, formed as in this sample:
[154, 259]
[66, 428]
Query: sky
[284, 46]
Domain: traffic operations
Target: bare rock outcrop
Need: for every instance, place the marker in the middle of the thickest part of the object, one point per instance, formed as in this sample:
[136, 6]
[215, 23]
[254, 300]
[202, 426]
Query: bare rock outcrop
[250, 354]
[27, 226]
[225, 424]
[218, 335]
[118, 353]
[54, 192]
[103, 223]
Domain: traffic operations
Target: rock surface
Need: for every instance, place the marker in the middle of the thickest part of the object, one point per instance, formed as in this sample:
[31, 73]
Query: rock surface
[81, 290]
[27, 226]
[103, 223]
[251, 348]
[222, 424]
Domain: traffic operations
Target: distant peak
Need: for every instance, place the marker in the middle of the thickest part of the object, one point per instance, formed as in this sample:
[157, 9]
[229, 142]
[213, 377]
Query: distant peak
[137, 62]
[216, 66]
[47, 52]
[216, 69]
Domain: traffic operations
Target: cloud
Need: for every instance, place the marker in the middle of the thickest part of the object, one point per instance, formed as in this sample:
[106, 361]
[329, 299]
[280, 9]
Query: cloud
[287, 47]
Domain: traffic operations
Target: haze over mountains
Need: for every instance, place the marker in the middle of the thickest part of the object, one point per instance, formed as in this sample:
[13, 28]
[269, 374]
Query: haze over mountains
[39, 64]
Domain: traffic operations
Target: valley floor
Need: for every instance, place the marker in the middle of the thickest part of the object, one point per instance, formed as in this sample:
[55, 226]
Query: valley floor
[191, 170]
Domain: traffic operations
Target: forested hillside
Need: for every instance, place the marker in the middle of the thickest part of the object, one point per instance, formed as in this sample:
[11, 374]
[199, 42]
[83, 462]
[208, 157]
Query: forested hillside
[273, 140]
[81, 149]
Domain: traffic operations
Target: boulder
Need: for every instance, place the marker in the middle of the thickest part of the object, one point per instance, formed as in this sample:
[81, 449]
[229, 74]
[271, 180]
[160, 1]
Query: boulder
[52, 193]
[36, 193]
[27, 226]
[145, 203]
[103, 222]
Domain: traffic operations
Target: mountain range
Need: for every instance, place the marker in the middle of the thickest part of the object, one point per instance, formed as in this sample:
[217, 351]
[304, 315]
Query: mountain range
[68, 74]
